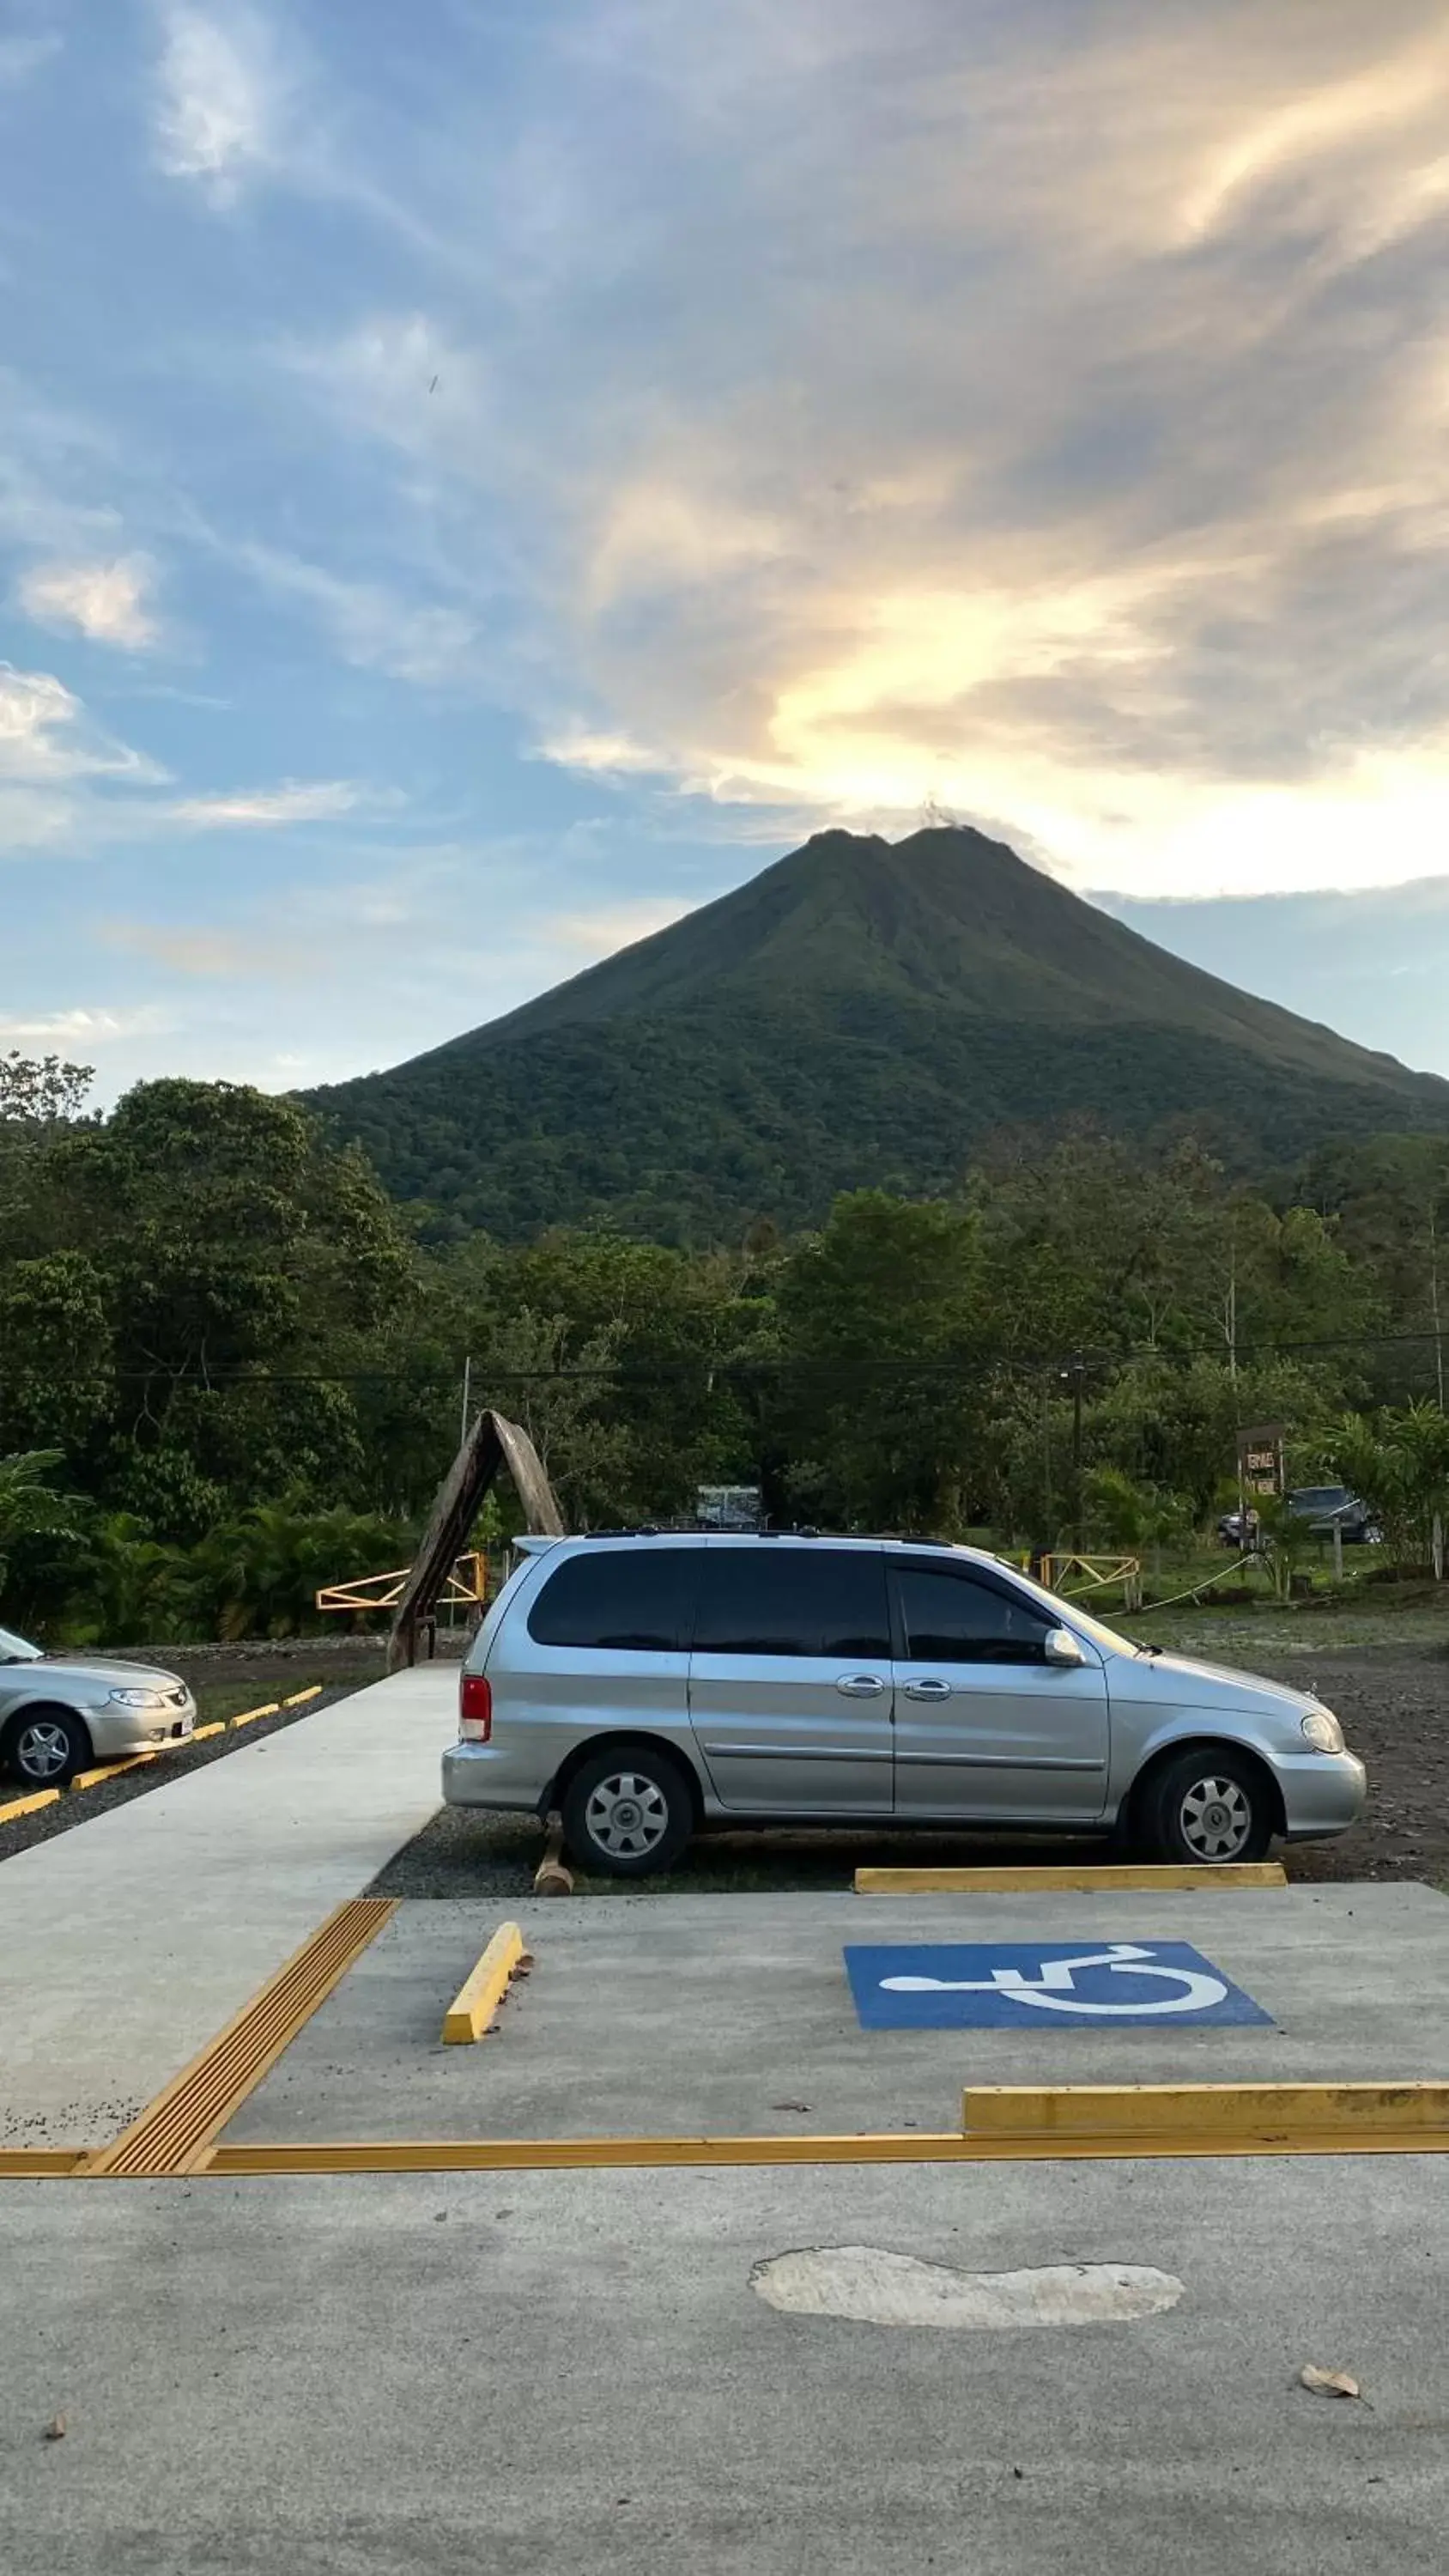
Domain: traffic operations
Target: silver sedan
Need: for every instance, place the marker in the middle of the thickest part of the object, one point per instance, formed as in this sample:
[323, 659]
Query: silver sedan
[60, 1712]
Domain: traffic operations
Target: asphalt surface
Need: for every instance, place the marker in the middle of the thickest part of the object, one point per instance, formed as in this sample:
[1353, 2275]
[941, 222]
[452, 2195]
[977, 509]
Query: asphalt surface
[508, 2373]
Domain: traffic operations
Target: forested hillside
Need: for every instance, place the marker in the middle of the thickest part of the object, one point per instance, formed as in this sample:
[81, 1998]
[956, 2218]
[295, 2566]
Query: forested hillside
[229, 1370]
[861, 1015]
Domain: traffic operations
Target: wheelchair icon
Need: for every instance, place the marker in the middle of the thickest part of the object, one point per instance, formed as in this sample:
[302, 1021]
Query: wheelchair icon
[1054, 1988]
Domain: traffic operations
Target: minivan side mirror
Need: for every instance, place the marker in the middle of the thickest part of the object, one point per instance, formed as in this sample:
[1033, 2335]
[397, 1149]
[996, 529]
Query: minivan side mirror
[1061, 1647]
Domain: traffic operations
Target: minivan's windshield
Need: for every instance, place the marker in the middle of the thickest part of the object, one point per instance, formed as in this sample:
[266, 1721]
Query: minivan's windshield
[17, 1650]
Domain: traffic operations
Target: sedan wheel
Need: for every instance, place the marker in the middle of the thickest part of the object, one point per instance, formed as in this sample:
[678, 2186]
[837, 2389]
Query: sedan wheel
[46, 1748]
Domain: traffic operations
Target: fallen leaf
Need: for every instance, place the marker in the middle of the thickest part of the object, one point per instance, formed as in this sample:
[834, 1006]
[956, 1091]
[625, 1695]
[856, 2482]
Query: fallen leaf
[55, 2429]
[1328, 2383]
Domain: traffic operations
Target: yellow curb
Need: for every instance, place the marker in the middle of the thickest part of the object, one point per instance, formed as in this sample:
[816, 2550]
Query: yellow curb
[313, 1691]
[1128, 2119]
[110, 1770]
[249, 1716]
[481, 1993]
[1111, 1878]
[31, 1806]
[199, 1734]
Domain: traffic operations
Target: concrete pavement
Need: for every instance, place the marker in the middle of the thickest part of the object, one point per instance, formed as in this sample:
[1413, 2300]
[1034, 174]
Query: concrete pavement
[514, 2372]
[713, 2015]
[128, 1942]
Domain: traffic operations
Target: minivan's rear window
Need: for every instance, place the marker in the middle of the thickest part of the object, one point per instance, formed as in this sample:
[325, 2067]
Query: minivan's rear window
[633, 1599]
[792, 1601]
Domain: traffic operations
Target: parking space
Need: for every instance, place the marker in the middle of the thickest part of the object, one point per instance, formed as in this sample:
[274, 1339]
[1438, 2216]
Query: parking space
[719, 2016]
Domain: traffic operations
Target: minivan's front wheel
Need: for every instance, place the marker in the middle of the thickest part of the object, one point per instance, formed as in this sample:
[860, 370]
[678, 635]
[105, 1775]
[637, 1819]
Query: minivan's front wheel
[628, 1812]
[1209, 1808]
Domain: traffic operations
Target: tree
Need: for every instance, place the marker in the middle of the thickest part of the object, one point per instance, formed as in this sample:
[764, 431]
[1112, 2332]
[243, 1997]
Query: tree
[1399, 1466]
[29, 1505]
[885, 1358]
[41, 1093]
[230, 1265]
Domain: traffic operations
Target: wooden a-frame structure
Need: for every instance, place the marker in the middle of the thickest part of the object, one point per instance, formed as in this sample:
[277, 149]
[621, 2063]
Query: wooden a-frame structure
[492, 1443]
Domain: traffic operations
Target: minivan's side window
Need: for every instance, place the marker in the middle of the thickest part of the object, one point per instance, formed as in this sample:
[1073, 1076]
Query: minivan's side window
[952, 1618]
[766, 1600]
[634, 1599]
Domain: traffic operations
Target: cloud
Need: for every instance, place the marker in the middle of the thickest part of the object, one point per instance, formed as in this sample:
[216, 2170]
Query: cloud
[267, 809]
[370, 624]
[220, 96]
[75, 1029]
[46, 737]
[598, 933]
[1041, 411]
[106, 601]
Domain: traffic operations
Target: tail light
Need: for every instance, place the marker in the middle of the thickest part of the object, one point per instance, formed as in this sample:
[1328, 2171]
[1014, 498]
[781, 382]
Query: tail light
[475, 1709]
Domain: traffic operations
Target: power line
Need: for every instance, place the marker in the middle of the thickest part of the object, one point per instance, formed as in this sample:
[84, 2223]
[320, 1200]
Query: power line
[230, 1377]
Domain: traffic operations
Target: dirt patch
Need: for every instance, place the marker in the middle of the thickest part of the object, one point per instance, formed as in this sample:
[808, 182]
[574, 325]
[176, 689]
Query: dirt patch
[1395, 1712]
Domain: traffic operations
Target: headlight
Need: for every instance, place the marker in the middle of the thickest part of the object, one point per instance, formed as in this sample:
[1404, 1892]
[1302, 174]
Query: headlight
[136, 1698]
[1322, 1731]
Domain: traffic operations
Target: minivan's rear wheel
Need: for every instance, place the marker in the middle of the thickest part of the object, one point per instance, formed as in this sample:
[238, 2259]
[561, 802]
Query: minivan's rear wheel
[46, 1747]
[628, 1812]
[1208, 1808]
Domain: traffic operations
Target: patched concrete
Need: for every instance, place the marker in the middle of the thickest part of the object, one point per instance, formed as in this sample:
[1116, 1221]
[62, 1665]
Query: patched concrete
[873, 2286]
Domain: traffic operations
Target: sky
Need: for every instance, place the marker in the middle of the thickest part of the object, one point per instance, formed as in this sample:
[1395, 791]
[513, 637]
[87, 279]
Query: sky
[478, 480]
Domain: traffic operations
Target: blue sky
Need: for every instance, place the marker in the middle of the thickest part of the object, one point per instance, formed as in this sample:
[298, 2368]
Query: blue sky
[478, 480]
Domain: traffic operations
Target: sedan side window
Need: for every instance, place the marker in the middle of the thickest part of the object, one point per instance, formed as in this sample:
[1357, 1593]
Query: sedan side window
[952, 1618]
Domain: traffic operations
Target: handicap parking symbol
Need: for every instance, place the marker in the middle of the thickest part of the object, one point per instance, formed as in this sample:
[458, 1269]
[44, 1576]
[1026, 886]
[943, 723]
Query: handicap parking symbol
[1043, 1984]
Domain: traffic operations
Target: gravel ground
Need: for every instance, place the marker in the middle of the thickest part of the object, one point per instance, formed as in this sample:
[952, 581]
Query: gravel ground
[1395, 1710]
[225, 1680]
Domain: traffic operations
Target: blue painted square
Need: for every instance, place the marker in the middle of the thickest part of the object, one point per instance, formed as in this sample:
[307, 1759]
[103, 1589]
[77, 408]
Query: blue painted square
[1044, 1985]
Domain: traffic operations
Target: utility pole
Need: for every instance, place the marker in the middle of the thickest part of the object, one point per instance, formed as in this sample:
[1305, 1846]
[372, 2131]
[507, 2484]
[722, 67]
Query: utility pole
[1434, 1301]
[1047, 1499]
[1231, 1326]
[467, 1392]
[1076, 1371]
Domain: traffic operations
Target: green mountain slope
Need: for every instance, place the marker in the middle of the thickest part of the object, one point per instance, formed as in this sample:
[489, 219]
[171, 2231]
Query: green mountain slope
[863, 1013]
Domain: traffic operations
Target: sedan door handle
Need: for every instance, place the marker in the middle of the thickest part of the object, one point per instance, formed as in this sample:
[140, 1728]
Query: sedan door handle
[930, 1689]
[861, 1686]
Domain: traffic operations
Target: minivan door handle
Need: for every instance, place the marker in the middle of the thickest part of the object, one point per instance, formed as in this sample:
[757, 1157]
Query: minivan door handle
[861, 1686]
[932, 1688]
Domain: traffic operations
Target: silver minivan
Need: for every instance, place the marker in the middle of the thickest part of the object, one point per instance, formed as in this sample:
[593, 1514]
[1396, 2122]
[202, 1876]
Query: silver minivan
[649, 1685]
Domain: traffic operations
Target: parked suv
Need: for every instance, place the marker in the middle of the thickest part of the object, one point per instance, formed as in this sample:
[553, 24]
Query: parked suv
[649, 1686]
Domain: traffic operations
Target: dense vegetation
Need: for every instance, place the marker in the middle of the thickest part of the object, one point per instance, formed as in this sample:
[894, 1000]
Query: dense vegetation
[860, 1015]
[230, 1366]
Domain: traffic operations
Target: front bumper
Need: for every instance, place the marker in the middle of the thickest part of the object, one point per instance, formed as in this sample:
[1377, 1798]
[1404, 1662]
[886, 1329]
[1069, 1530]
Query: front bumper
[115, 1732]
[1323, 1793]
